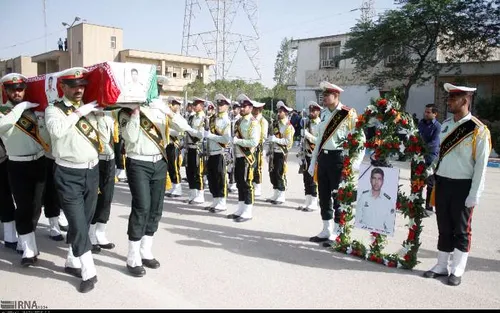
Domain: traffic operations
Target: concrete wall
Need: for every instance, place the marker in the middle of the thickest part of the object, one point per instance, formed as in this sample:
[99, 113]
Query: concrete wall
[22, 65]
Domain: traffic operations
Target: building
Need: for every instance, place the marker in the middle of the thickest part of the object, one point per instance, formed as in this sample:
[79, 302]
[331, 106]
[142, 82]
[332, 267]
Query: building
[90, 44]
[21, 64]
[317, 60]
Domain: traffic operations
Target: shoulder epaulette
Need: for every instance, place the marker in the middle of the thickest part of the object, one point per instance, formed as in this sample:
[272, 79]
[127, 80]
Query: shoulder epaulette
[345, 107]
[253, 119]
[477, 121]
[387, 196]
[366, 191]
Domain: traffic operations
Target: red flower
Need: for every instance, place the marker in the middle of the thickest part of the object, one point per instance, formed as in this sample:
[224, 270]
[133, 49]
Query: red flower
[395, 145]
[359, 124]
[368, 112]
[414, 227]
[378, 132]
[404, 122]
[413, 139]
[418, 149]
[349, 136]
[340, 191]
[380, 117]
[380, 260]
[345, 145]
[392, 112]
[382, 102]
[354, 142]
[388, 145]
[407, 257]
[349, 194]
[338, 240]
[411, 235]
[398, 205]
[367, 144]
[373, 257]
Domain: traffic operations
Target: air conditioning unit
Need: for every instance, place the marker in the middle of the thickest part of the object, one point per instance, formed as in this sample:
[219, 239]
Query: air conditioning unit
[331, 63]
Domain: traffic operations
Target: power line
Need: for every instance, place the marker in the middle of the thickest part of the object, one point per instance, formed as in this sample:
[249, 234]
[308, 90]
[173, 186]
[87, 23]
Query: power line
[31, 40]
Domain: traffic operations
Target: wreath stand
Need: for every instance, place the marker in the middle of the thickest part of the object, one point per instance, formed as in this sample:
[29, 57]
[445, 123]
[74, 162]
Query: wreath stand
[385, 142]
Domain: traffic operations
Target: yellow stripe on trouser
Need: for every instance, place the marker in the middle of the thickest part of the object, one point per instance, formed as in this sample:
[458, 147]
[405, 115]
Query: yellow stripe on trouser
[168, 183]
[259, 166]
[224, 181]
[200, 174]
[250, 180]
[177, 167]
[285, 167]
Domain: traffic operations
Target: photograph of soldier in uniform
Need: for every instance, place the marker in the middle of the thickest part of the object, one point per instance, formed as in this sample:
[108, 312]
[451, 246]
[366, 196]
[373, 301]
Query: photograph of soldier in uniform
[376, 199]
[51, 89]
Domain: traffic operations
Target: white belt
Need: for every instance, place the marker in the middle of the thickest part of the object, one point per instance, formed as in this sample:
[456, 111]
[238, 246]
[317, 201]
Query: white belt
[148, 158]
[106, 157]
[86, 165]
[27, 158]
[216, 152]
[191, 146]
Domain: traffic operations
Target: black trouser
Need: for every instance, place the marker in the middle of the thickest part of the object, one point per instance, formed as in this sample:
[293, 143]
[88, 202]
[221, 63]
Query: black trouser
[232, 180]
[77, 190]
[310, 187]
[257, 177]
[453, 218]
[27, 182]
[147, 186]
[244, 178]
[278, 173]
[194, 171]
[216, 172]
[119, 154]
[174, 163]
[106, 191]
[51, 206]
[329, 173]
[7, 207]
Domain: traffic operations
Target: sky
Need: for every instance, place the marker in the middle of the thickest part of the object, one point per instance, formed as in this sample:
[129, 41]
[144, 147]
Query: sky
[157, 25]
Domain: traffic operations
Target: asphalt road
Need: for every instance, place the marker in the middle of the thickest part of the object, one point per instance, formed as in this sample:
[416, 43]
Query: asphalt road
[208, 261]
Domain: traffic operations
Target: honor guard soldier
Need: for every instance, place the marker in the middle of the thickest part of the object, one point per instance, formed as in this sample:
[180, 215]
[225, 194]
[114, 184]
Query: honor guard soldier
[259, 151]
[281, 142]
[374, 208]
[145, 133]
[246, 139]
[76, 145]
[234, 116]
[174, 152]
[218, 136]
[459, 182]
[194, 141]
[311, 130]
[327, 160]
[20, 132]
[7, 208]
[97, 230]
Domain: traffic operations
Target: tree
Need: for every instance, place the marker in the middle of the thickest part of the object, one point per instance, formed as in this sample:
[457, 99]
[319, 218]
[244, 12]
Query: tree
[400, 48]
[284, 72]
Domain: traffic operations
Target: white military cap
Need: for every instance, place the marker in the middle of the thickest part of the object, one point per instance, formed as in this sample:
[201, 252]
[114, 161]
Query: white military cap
[282, 105]
[220, 99]
[74, 76]
[209, 104]
[197, 99]
[173, 100]
[14, 81]
[242, 98]
[258, 104]
[452, 88]
[326, 86]
[312, 104]
[162, 80]
[236, 104]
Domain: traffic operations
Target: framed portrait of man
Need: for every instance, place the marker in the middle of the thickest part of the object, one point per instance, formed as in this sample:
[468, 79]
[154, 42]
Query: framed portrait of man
[376, 199]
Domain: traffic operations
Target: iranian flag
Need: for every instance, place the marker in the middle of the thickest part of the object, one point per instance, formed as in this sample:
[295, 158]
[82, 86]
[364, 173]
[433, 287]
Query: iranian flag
[109, 83]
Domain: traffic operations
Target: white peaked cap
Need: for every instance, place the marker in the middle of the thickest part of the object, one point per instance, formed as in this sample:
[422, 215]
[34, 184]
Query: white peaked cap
[173, 99]
[221, 97]
[313, 104]
[258, 104]
[281, 104]
[243, 97]
[330, 87]
[452, 88]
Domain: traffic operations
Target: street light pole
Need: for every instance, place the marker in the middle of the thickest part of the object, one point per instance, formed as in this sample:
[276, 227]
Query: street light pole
[70, 47]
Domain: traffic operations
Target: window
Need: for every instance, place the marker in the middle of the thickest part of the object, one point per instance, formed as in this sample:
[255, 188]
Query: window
[79, 47]
[169, 71]
[176, 72]
[9, 70]
[329, 54]
[186, 73]
[113, 42]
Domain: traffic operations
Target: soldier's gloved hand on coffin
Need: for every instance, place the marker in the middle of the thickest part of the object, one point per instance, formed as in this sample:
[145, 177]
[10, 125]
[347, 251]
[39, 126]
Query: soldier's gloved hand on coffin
[87, 108]
[25, 105]
[207, 134]
[158, 104]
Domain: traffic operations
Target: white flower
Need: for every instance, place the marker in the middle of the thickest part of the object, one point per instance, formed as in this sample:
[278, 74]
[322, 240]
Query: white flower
[345, 152]
[389, 107]
[411, 222]
[402, 148]
[372, 108]
[386, 262]
[343, 208]
[349, 250]
[418, 158]
[399, 265]
[413, 197]
[343, 184]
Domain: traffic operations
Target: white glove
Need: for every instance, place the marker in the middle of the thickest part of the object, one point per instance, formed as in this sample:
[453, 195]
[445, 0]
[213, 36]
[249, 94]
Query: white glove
[471, 202]
[272, 138]
[39, 114]
[310, 170]
[207, 134]
[236, 140]
[25, 105]
[87, 108]
[158, 104]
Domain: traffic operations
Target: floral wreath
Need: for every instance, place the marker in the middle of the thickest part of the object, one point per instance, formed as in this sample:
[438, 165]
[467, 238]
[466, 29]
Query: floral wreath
[384, 143]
